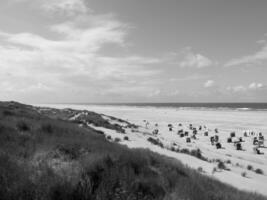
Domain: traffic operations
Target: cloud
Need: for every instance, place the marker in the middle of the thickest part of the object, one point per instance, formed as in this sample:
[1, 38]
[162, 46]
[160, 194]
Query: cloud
[241, 88]
[71, 61]
[191, 77]
[66, 8]
[154, 93]
[256, 58]
[174, 93]
[69, 7]
[255, 86]
[195, 60]
[209, 83]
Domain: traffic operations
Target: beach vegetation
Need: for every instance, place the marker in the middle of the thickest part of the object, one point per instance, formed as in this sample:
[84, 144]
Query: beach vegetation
[249, 167]
[259, 171]
[244, 174]
[221, 165]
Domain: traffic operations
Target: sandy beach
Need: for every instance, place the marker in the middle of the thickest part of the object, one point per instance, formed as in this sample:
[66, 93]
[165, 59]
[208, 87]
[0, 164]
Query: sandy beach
[236, 172]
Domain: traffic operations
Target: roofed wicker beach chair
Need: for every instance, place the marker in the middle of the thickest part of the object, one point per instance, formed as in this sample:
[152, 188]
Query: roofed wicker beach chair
[238, 146]
[232, 134]
[218, 145]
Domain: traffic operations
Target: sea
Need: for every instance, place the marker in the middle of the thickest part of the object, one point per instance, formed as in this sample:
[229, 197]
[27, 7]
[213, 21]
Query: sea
[237, 117]
[233, 106]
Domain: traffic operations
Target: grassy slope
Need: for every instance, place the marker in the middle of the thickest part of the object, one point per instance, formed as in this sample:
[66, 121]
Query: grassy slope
[43, 156]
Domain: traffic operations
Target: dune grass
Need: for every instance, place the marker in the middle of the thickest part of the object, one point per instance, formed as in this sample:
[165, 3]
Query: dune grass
[45, 158]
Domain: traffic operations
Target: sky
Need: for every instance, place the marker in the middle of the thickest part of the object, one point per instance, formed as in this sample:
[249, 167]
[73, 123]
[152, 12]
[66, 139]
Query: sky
[97, 51]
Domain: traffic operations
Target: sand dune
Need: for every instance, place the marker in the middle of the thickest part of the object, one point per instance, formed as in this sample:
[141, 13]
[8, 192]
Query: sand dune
[225, 121]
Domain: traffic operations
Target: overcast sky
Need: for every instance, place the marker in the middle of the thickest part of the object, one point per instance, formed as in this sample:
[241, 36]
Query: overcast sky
[54, 51]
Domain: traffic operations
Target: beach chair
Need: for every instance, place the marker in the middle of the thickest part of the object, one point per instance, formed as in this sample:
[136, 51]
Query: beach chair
[261, 143]
[216, 138]
[261, 137]
[256, 150]
[188, 140]
[155, 132]
[212, 140]
[255, 141]
[232, 134]
[218, 145]
[238, 146]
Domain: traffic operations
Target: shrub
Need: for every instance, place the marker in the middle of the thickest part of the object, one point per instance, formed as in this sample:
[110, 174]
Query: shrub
[259, 171]
[249, 167]
[126, 138]
[244, 174]
[109, 137]
[117, 140]
[99, 132]
[221, 165]
[186, 151]
[172, 148]
[155, 141]
[200, 169]
[228, 161]
[196, 153]
[8, 113]
[47, 128]
[23, 126]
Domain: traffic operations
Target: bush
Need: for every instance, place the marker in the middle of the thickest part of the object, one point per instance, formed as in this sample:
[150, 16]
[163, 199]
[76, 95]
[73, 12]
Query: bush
[109, 137]
[244, 174]
[196, 153]
[221, 165]
[155, 141]
[249, 167]
[173, 148]
[186, 151]
[8, 113]
[126, 138]
[47, 128]
[99, 132]
[23, 126]
[117, 140]
[259, 171]
[200, 169]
